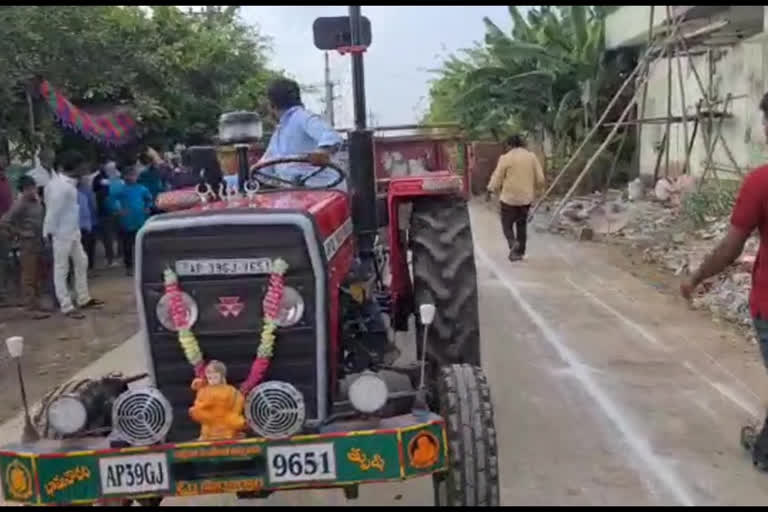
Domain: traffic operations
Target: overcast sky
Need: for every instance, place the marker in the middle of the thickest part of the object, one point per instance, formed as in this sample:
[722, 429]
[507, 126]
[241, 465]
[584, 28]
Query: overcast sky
[407, 41]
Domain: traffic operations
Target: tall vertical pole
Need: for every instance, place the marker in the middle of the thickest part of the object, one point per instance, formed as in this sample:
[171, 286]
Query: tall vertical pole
[358, 74]
[361, 168]
[328, 93]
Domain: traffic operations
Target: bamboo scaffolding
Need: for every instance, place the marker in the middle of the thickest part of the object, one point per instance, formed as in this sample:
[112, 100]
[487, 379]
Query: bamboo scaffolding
[642, 64]
[670, 45]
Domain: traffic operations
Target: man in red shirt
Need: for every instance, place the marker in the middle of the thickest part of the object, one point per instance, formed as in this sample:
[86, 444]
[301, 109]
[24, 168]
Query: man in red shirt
[749, 213]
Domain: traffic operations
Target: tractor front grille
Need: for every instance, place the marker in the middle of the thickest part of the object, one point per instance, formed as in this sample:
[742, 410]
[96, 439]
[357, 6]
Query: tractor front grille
[232, 339]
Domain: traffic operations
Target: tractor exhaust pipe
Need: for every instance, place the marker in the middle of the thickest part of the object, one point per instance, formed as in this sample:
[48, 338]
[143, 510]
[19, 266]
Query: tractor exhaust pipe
[362, 177]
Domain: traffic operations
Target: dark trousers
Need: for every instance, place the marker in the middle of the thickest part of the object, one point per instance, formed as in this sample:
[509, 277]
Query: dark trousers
[129, 240]
[106, 233]
[31, 272]
[88, 240]
[514, 222]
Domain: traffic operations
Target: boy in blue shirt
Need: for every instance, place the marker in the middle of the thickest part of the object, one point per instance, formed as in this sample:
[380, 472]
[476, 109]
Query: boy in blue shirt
[132, 203]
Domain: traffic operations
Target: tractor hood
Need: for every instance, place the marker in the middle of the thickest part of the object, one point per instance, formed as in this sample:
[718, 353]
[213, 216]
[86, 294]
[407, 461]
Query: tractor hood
[329, 208]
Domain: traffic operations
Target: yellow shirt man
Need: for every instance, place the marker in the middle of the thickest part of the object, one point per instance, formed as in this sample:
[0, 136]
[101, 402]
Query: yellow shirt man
[517, 175]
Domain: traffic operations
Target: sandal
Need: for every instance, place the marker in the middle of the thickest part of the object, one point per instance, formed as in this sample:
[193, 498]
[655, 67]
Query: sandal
[93, 303]
[75, 315]
[39, 315]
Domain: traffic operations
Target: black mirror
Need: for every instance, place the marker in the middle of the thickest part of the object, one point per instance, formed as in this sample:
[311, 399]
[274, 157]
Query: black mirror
[333, 32]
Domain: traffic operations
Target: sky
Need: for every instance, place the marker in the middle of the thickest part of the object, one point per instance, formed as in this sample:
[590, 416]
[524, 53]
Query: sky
[407, 41]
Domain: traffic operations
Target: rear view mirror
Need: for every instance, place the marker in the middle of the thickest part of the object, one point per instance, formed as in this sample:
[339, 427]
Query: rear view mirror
[332, 33]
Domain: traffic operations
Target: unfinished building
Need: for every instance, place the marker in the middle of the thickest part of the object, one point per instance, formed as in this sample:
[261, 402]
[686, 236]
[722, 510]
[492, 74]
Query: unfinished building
[700, 109]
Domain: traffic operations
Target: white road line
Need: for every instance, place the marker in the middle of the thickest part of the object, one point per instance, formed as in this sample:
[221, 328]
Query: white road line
[697, 348]
[726, 392]
[650, 338]
[634, 439]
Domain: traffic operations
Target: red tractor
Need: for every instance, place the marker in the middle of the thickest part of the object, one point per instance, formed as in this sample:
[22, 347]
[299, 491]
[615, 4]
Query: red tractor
[290, 293]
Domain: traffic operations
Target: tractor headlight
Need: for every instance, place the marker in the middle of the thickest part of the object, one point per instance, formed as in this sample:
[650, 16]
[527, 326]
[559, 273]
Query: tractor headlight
[368, 393]
[67, 415]
[291, 308]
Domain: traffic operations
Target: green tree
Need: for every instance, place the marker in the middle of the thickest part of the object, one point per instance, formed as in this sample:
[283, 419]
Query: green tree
[177, 71]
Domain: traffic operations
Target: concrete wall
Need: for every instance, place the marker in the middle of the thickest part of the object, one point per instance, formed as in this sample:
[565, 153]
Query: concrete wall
[738, 70]
[628, 25]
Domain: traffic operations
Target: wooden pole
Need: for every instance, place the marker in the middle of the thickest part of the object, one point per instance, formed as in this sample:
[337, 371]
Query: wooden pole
[689, 149]
[681, 84]
[615, 162]
[594, 157]
[642, 63]
[669, 96]
[641, 110]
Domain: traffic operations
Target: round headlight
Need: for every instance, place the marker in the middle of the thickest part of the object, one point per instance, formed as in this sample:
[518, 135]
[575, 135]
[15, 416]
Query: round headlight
[368, 393]
[165, 316]
[67, 415]
[291, 308]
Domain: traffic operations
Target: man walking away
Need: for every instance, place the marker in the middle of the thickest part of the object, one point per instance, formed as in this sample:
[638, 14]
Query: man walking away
[749, 214]
[62, 227]
[133, 202]
[518, 174]
[25, 219]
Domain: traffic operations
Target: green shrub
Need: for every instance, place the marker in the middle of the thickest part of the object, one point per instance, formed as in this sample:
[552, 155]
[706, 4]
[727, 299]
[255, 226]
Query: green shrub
[711, 201]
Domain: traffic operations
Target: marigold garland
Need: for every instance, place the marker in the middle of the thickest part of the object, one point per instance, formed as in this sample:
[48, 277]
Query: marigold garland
[188, 341]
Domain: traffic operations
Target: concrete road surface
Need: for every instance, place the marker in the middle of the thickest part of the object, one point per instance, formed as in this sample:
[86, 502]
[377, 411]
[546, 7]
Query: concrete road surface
[606, 392]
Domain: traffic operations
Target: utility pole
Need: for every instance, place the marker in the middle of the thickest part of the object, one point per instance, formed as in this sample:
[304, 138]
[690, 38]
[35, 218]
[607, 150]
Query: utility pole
[328, 93]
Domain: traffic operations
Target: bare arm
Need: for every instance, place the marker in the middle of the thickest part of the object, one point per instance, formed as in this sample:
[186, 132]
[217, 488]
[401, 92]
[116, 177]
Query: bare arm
[726, 252]
[746, 216]
[497, 178]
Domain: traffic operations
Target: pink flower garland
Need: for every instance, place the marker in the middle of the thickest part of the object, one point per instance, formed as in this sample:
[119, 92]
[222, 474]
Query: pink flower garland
[188, 341]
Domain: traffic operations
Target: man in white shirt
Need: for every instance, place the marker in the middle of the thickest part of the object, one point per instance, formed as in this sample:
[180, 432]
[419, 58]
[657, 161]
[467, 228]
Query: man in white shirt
[62, 228]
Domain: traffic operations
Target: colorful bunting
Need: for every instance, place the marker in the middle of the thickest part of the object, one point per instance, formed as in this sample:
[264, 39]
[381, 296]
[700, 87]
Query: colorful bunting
[110, 129]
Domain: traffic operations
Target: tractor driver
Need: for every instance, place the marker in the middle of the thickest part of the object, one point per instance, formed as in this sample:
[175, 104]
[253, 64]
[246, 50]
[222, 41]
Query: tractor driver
[299, 132]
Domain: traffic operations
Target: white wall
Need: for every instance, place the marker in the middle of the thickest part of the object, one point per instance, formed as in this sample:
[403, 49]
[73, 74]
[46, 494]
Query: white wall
[739, 70]
[628, 25]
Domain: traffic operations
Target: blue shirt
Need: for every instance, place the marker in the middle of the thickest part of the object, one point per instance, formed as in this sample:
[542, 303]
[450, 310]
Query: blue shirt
[154, 180]
[85, 210]
[300, 132]
[135, 199]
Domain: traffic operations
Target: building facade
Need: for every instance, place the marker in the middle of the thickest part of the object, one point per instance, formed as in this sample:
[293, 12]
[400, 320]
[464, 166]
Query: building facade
[727, 49]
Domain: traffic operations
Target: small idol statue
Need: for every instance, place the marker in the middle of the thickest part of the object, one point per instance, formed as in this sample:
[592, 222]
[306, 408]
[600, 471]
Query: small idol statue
[218, 407]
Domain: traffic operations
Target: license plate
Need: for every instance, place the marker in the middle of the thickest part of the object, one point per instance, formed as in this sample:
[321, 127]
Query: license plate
[224, 267]
[134, 473]
[301, 463]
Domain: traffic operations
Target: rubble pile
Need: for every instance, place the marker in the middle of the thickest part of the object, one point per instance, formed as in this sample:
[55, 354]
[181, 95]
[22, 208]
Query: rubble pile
[656, 228]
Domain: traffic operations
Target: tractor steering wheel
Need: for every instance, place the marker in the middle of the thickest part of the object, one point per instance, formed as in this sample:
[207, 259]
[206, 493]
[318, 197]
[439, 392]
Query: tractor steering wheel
[263, 178]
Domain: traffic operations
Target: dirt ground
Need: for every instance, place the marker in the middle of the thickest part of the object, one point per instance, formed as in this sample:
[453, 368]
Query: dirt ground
[58, 347]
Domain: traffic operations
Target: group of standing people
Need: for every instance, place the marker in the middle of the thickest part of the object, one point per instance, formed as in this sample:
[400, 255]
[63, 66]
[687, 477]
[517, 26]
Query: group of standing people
[60, 213]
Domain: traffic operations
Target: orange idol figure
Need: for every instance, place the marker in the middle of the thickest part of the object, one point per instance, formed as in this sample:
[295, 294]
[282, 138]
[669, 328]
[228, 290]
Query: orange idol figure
[218, 407]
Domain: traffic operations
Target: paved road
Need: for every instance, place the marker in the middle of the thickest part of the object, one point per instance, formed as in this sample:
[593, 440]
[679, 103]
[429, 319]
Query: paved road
[606, 392]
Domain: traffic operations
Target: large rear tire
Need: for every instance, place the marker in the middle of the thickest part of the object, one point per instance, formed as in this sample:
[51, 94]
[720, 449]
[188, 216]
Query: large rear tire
[444, 274]
[472, 478]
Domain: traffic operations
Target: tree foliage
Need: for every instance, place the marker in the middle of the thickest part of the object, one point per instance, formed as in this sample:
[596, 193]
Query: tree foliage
[549, 77]
[177, 71]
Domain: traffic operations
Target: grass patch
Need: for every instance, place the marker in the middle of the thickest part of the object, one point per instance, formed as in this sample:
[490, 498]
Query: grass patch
[712, 201]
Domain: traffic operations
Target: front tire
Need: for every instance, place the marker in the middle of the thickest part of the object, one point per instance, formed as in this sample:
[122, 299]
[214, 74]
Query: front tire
[472, 478]
[444, 274]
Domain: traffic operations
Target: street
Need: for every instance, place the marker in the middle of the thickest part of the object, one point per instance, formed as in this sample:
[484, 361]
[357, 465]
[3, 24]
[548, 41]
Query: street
[606, 391]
